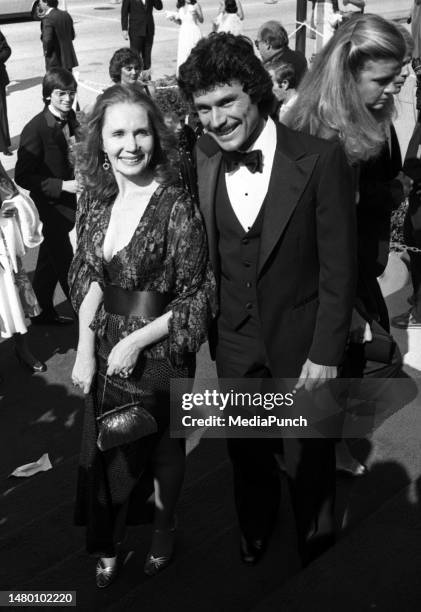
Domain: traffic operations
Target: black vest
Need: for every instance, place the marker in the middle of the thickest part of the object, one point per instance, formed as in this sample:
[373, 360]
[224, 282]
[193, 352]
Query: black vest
[239, 253]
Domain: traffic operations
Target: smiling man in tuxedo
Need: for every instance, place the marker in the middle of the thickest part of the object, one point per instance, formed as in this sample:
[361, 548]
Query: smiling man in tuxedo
[279, 211]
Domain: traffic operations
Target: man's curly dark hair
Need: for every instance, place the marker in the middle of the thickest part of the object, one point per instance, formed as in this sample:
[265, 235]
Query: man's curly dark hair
[223, 58]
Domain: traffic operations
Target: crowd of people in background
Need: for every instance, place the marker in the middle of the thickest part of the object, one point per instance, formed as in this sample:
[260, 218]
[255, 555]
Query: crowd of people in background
[185, 224]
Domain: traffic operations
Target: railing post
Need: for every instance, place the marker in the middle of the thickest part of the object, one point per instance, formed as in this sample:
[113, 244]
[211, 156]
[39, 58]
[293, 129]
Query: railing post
[300, 37]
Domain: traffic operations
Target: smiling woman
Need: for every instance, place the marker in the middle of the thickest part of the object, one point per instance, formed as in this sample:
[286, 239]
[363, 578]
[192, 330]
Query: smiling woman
[125, 66]
[143, 288]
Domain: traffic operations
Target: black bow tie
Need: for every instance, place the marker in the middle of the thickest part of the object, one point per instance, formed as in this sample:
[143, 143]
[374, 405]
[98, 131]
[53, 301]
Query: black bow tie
[61, 122]
[253, 160]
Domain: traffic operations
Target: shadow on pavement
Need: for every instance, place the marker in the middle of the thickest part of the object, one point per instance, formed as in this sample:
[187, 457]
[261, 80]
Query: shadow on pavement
[24, 84]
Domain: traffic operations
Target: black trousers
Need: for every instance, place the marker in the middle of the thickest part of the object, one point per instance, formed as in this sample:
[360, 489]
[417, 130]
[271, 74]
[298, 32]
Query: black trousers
[4, 125]
[143, 46]
[54, 258]
[310, 462]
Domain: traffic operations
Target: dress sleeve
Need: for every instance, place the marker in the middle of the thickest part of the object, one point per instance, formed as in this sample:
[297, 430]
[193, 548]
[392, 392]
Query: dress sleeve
[194, 304]
[86, 266]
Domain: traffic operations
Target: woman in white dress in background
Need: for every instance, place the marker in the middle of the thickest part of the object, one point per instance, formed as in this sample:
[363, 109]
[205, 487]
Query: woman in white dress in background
[229, 18]
[20, 228]
[188, 16]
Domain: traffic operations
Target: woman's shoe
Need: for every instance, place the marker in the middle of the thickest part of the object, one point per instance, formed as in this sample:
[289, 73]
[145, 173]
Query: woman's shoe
[34, 366]
[346, 463]
[163, 540]
[105, 574]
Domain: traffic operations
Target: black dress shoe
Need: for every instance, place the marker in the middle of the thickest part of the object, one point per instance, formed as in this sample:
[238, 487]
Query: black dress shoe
[105, 575]
[52, 319]
[252, 551]
[33, 366]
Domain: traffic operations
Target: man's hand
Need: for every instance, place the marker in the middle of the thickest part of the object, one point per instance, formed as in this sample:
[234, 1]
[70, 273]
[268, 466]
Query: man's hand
[360, 331]
[70, 186]
[313, 375]
[125, 34]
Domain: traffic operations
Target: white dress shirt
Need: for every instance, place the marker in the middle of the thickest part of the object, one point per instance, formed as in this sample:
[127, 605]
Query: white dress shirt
[246, 190]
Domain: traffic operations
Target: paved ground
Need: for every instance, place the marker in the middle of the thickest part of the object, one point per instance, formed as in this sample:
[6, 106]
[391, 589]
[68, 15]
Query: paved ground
[374, 566]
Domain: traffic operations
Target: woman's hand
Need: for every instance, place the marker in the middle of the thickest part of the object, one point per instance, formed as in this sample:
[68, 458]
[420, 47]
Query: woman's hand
[8, 210]
[123, 357]
[83, 371]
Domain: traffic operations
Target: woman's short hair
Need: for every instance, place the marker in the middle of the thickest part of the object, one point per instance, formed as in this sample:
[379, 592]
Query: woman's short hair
[101, 182]
[284, 72]
[57, 78]
[222, 58]
[329, 102]
[123, 57]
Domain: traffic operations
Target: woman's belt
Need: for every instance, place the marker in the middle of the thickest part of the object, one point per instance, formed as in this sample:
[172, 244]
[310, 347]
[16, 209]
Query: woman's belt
[135, 303]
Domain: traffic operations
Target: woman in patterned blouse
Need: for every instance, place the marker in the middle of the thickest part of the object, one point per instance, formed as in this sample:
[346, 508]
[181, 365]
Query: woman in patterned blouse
[142, 285]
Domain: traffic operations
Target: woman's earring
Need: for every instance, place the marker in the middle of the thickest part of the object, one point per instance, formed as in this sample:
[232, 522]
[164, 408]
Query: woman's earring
[106, 163]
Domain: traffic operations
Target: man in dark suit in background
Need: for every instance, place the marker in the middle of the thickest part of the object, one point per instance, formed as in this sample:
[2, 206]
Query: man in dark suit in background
[45, 169]
[57, 34]
[279, 211]
[273, 45]
[138, 26]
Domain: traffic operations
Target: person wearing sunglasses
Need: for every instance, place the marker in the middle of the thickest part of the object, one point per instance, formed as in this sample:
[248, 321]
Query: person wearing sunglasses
[44, 167]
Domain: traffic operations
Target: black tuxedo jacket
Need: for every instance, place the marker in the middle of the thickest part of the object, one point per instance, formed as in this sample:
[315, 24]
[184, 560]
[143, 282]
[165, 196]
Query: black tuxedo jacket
[57, 34]
[306, 273]
[43, 164]
[137, 17]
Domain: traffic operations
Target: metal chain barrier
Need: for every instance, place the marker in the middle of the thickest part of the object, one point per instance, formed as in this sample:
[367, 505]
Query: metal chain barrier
[305, 24]
[398, 246]
[98, 88]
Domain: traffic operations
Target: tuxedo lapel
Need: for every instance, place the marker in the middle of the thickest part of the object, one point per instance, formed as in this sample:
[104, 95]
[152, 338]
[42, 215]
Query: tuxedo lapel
[288, 181]
[58, 132]
[208, 169]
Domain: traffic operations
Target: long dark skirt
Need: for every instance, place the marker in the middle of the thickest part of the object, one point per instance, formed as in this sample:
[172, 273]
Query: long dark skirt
[114, 485]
